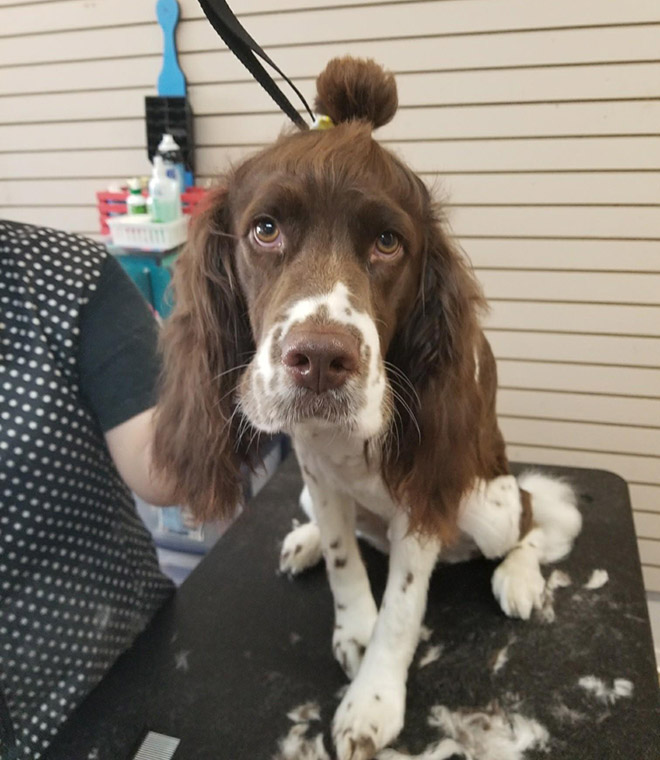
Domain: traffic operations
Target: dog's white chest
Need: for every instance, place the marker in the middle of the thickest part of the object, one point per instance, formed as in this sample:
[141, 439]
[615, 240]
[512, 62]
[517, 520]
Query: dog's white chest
[341, 463]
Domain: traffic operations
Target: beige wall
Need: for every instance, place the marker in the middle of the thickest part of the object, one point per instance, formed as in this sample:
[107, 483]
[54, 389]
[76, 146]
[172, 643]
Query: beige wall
[540, 120]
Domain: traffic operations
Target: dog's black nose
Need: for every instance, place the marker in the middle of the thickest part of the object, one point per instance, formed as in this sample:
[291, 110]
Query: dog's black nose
[320, 360]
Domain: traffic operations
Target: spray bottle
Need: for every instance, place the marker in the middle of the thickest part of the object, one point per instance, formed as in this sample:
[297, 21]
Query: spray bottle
[164, 194]
[173, 158]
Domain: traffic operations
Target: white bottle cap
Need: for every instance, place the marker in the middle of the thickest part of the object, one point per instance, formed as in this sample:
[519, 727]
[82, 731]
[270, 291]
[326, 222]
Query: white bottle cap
[167, 144]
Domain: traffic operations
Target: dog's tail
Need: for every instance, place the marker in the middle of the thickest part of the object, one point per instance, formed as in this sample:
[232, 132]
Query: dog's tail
[554, 510]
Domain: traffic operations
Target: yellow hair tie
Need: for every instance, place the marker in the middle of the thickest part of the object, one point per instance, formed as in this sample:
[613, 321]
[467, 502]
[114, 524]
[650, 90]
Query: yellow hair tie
[322, 122]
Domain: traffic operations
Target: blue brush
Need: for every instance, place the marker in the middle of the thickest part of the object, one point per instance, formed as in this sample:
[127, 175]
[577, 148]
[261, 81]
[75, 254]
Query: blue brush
[170, 111]
[171, 81]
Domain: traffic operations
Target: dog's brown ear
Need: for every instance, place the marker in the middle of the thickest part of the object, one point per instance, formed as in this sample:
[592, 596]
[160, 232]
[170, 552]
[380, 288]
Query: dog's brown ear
[205, 342]
[356, 88]
[439, 453]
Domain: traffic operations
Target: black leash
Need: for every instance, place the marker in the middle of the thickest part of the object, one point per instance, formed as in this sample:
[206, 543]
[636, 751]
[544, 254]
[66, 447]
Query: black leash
[244, 48]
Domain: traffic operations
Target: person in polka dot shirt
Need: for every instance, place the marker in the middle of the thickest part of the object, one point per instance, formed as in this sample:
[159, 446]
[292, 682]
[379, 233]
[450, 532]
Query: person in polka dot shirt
[79, 577]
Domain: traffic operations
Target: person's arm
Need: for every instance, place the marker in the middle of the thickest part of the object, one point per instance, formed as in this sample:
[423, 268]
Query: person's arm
[130, 448]
[118, 368]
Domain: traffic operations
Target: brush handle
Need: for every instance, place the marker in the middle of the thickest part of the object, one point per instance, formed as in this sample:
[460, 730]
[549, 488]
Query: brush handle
[171, 81]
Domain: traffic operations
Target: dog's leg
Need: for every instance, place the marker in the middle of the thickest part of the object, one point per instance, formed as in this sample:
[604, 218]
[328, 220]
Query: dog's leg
[355, 609]
[492, 515]
[555, 512]
[499, 521]
[372, 711]
[301, 548]
[517, 582]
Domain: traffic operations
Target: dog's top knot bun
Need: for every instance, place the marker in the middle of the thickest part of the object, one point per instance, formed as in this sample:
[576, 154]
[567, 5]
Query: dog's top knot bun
[355, 88]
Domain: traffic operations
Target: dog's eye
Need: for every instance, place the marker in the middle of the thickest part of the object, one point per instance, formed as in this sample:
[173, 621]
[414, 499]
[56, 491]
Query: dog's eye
[388, 243]
[266, 232]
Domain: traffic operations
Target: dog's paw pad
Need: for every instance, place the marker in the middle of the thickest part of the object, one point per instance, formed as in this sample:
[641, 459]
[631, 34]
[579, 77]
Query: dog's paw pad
[369, 718]
[301, 549]
[518, 584]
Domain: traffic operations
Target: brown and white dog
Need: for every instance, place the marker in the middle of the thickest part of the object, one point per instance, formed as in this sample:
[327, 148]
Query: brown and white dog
[320, 296]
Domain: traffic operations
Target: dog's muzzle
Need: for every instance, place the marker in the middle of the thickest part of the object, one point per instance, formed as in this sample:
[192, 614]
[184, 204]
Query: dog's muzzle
[322, 363]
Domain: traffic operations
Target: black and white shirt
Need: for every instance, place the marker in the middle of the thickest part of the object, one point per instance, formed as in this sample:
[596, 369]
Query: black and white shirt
[79, 576]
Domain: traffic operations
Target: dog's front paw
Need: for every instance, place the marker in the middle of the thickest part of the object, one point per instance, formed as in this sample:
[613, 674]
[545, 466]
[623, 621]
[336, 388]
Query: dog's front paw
[301, 549]
[353, 628]
[369, 717]
[518, 584]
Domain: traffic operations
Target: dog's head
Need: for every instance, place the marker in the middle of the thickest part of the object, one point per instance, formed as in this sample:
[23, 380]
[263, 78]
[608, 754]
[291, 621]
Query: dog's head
[319, 289]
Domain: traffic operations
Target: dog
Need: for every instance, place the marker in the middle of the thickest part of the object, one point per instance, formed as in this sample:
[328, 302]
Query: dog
[320, 295]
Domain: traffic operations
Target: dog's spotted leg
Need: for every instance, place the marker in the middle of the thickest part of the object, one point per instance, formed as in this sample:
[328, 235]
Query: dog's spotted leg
[372, 711]
[518, 584]
[492, 515]
[355, 609]
[301, 548]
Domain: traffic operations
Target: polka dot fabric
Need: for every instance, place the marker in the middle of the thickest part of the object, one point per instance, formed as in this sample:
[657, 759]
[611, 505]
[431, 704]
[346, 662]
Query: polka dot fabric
[78, 572]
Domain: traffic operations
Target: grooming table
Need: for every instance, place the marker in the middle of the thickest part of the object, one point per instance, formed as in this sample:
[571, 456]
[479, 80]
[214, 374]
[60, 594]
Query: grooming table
[239, 646]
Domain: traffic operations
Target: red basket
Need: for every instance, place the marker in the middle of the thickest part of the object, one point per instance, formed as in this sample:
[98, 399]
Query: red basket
[114, 204]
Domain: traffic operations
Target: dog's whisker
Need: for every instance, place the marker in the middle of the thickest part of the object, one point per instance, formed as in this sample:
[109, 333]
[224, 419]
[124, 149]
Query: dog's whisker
[256, 434]
[245, 430]
[230, 420]
[394, 431]
[400, 395]
[243, 427]
[231, 369]
[223, 397]
[401, 401]
[397, 393]
[401, 375]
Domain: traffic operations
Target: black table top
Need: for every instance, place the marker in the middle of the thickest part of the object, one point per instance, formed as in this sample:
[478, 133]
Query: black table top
[239, 646]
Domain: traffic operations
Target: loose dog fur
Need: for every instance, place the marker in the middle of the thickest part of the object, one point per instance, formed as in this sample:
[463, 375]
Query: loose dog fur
[319, 295]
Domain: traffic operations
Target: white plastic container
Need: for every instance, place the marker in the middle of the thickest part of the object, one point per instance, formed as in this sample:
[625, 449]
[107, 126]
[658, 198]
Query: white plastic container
[142, 232]
[136, 203]
[169, 149]
[165, 194]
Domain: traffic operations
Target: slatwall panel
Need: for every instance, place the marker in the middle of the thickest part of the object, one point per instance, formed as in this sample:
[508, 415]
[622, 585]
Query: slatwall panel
[537, 121]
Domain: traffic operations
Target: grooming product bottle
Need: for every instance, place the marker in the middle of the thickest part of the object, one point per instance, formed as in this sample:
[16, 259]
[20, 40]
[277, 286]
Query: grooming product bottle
[136, 203]
[173, 159]
[164, 194]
